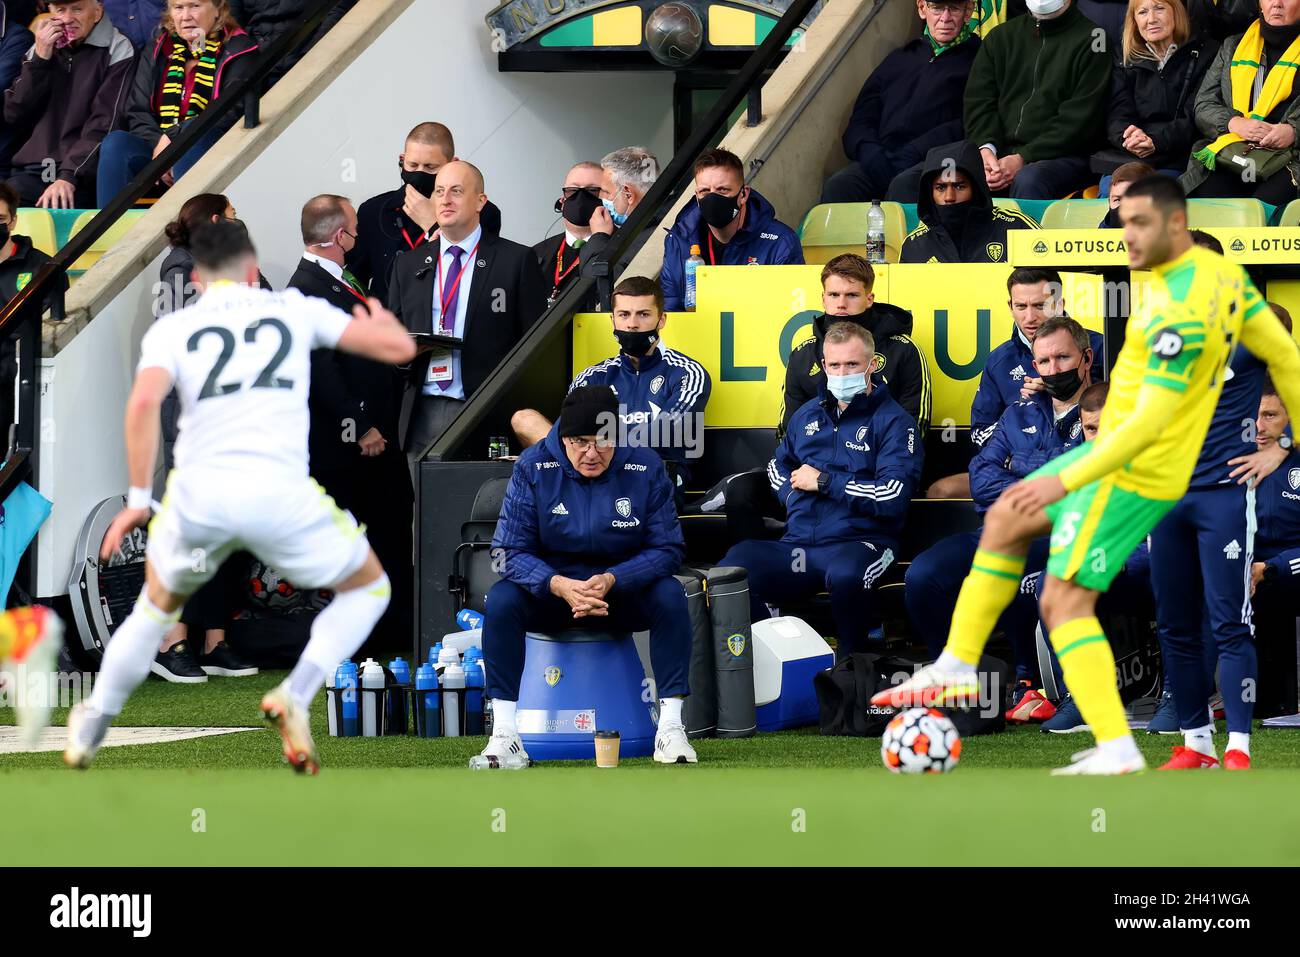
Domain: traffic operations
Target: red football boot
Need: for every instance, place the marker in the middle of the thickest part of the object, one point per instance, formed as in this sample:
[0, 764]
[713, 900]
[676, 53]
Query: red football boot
[1236, 760]
[1028, 704]
[1185, 759]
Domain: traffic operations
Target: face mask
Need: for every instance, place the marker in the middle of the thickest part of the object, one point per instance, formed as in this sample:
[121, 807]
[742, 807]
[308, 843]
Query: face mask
[619, 218]
[635, 343]
[954, 218]
[4, 235]
[577, 209]
[420, 181]
[845, 387]
[718, 210]
[1044, 8]
[1062, 385]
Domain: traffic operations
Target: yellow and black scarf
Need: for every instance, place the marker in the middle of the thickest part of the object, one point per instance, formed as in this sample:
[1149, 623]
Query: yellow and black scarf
[173, 91]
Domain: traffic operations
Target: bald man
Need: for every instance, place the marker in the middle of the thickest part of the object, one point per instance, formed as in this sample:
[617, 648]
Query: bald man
[468, 284]
[558, 255]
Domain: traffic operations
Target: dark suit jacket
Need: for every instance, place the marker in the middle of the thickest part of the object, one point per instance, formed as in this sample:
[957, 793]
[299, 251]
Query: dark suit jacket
[546, 251]
[380, 222]
[344, 386]
[488, 334]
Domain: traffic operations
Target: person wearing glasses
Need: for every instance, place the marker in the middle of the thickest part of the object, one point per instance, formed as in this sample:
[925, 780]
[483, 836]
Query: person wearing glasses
[910, 103]
[559, 255]
[959, 223]
[588, 537]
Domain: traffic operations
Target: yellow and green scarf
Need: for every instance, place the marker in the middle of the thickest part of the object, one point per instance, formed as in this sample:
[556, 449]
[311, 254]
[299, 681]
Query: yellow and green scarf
[1245, 67]
[967, 31]
[173, 91]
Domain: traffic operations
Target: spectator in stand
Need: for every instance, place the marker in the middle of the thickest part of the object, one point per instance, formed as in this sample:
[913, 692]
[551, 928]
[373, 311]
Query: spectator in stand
[268, 20]
[199, 50]
[911, 103]
[1153, 86]
[845, 472]
[1221, 19]
[733, 224]
[626, 175]
[1035, 127]
[1202, 238]
[72, 89]
[1248, 109]
[405, 218]
[1118, 186]
[15, 41]
[137, 19]
[558, 255]
[959, 223]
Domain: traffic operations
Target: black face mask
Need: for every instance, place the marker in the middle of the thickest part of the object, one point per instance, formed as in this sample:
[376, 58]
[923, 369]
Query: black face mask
[1062, 385]
[718, 210]
[420, 181]
[577, 209]
[954, 218]
[4, 235]
[636, 343]
[1112, 219]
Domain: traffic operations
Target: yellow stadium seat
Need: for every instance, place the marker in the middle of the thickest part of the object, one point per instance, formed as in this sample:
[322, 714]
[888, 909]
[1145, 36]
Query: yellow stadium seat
[1225, 212]
[832, 229]
[104, 242]
[1075, 213]
[1291, 215]
[38, 224]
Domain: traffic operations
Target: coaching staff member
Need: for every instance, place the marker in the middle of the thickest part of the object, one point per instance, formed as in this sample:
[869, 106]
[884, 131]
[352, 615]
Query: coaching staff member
[588, 536]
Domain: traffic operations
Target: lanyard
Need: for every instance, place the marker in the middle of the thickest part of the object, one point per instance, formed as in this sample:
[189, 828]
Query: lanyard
[559, 261]
[446, 299]
[405, 235]
[713, 261]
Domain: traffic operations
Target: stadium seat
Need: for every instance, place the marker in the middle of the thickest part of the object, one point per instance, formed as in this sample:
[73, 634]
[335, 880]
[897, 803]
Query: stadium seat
[472, 571]
[832, 229]
[1225, 212]
[105, 242]
[1011, 206]
[39, 225]
[1290, 214]
[1075, 214]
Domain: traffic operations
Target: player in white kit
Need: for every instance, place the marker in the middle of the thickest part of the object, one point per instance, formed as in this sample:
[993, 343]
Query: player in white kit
[240, 358]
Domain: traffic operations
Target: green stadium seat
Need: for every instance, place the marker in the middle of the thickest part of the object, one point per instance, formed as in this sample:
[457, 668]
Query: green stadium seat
[1291, 214]
[1075, 214]
[832, 229]
[39, 225]
[1225, 212]
[104, 242]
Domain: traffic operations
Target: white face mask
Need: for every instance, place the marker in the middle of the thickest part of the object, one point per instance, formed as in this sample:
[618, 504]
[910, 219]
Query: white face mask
[1044, 8]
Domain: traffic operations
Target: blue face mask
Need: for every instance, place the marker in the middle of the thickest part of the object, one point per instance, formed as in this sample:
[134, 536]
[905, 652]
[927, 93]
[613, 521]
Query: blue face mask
[619, 218]
[845, 387]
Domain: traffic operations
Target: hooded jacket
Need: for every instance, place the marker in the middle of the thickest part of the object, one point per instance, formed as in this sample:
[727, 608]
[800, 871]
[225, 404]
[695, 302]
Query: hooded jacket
[899, 364]
[237, 59]
[1026, 437]
[71, 101]
[1161, 101]
[554, 521]
[872, 455]
[1005, 370]
[973, 232]
[1039, 88]
[763, 240]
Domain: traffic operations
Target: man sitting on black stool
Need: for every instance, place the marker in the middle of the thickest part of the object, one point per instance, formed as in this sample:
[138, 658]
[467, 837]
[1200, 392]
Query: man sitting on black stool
[588, 535]
[845, 472]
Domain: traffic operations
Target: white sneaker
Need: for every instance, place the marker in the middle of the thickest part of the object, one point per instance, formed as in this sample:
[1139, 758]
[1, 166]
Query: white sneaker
[1096, 761]
[506, 747]
[83, 738]
[930, 688]
[672, 746]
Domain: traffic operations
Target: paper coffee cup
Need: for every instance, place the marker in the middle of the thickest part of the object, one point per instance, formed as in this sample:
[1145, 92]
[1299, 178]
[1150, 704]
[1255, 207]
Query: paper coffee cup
[607, 749]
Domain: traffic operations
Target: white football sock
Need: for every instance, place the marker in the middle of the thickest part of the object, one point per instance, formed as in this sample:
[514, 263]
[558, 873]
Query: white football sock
[1120, 749]
[1201, 740]
[670, 712]
[503, 716]
[338, 631]
[949, 662]
[1239, 741]
[129, 654]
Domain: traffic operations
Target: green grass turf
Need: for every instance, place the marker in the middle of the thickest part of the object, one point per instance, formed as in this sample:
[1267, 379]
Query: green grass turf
[137, 805]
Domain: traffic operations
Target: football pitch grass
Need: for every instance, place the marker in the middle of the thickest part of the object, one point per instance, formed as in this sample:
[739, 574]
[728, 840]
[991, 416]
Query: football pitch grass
[793, 798]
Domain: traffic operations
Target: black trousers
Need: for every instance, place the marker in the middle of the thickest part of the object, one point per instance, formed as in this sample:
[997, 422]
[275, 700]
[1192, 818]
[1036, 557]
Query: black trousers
[1226, 183]
[750, 499]
[1276, 606]
[30, 182]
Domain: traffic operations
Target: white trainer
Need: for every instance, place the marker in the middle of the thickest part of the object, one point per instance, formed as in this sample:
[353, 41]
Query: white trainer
[1096, 761]
[673, 747]
[506, 747]
[85, 733]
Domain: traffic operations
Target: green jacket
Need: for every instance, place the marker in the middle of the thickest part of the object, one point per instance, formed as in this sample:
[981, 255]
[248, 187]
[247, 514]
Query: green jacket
[1040, 88]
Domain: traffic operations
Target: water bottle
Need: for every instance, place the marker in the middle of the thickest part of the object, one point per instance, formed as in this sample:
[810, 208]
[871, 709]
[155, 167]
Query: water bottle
[487, 715]
[372, 683]
[692, 263]
[453, 699]
[434, 652]
[875, 233]
[511, 762]
[446, 658]
[347, 687]
[397, 716]
[474, 681]
[428, 703]
[468, 619]
[331, 700]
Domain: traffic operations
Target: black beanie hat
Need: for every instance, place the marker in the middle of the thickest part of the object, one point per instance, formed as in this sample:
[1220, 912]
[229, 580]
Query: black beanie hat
[586, 409]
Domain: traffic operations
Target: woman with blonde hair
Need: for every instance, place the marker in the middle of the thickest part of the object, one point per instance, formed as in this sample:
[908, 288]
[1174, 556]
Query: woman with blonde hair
[1154, 85]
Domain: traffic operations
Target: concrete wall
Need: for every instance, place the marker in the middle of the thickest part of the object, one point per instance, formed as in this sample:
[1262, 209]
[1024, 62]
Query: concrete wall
[335, 124]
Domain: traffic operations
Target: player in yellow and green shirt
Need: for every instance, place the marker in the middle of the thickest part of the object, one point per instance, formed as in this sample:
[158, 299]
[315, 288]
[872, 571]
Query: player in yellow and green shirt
[1101, 500]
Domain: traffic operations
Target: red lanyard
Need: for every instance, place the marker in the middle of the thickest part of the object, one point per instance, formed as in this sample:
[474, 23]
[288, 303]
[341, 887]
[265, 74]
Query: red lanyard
[407, 237]
[446, 299]
[559, 261]
[350, 289]
[712, 259]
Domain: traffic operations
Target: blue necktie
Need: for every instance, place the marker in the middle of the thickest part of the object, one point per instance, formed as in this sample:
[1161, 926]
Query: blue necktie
[447, 320]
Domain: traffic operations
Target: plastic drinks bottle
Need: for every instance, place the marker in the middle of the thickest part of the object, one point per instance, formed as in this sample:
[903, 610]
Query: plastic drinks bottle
[473, 697]
[453, 695]
[693, 262]
[372, 680]
[875, 233]
[428, 702]
[347, 683]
